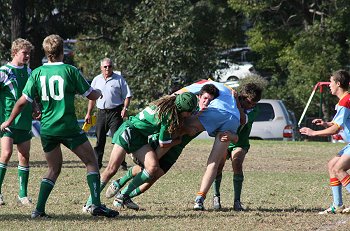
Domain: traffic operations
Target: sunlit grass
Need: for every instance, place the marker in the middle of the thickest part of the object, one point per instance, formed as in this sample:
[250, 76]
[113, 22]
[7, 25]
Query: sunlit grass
[286, 184]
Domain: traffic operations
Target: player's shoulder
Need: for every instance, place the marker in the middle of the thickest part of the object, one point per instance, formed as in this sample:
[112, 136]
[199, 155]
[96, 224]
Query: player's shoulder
[345, 101]
[68, 67]
[4, 70]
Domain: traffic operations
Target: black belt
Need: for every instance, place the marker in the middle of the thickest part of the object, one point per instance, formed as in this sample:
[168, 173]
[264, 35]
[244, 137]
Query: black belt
[113, 109]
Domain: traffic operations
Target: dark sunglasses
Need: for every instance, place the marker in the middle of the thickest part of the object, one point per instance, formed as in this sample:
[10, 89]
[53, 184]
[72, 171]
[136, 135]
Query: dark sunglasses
[109, 66]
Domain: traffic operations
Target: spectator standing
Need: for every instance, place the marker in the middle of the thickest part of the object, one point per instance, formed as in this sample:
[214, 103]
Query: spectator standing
[112, 107]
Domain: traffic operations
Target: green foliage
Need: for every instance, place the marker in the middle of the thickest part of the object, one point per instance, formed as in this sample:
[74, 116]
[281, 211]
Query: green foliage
[81, 105]
[160, 46]
[157, 45]
[168, 44]
[299, 43]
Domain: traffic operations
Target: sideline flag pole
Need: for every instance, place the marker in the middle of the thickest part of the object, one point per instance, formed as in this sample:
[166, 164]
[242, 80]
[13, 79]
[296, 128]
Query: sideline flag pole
[319, 84]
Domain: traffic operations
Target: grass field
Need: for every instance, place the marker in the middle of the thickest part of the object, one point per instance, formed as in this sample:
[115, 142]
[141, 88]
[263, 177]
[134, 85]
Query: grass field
[285, 185]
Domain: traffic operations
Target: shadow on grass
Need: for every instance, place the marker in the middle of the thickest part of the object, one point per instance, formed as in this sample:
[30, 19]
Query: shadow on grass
[85, 217]
[191, 214]
[66, 164]
[264, 210]
[288, 210]
[43, 164]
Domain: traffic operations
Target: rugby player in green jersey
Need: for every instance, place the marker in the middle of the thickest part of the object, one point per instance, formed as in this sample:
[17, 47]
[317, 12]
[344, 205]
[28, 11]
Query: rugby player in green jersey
[206, 95]
[164, 116]
[13, 77]
[56, 84]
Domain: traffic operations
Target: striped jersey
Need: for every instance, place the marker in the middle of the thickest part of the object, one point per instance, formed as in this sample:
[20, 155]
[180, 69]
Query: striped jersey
[12, 81]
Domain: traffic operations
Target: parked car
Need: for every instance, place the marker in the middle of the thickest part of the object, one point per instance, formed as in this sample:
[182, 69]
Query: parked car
[274, 121]
[229, 71]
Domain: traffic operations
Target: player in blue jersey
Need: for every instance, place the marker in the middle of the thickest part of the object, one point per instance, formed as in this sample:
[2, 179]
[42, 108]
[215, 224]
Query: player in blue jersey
[221, 119]
[340, 164]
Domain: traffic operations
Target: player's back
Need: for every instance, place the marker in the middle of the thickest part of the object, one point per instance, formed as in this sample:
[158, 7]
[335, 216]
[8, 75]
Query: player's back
[56, 85]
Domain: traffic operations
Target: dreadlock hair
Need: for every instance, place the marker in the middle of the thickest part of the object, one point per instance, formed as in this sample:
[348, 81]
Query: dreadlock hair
[166, 107]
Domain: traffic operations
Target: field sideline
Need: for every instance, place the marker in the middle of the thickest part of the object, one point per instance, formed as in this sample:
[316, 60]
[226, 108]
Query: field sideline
[286, 185]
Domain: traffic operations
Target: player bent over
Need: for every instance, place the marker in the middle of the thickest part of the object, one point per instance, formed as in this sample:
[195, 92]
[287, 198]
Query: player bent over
[206, 95]
[248, 96]
[56, 84]
[164, 116]
[337, 166]
[221, 116]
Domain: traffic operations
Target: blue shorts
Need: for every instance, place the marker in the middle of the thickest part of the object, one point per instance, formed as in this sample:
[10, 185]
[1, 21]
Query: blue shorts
[216, 120]
[345, 150]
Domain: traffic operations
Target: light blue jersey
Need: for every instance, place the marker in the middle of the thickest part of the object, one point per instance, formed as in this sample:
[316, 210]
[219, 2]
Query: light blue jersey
[222, 113]
[342, 119]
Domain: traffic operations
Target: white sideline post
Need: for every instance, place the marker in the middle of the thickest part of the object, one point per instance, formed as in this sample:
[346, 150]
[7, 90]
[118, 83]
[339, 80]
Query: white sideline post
[307, 104]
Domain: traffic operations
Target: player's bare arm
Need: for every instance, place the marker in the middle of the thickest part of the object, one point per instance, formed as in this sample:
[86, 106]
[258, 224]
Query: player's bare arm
[334, 129]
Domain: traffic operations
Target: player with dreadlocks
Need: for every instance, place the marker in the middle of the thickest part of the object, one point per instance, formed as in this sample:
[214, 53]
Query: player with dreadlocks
[164, 116]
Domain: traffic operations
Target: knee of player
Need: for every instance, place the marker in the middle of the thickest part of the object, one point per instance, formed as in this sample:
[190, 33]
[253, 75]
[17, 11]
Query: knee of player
[136, 169]
[152, 170]
[213, 166]
[337, 171]
[5, 157]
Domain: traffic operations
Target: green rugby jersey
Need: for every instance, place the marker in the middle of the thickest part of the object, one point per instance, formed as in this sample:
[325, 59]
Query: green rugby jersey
[12, 81]
[147, 123]
[56, 85]
[244, 130]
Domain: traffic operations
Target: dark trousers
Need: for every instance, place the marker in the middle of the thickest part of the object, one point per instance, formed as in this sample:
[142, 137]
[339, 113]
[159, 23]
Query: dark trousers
[108, 119]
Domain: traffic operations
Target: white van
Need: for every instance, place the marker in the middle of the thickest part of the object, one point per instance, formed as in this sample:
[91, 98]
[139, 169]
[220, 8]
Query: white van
[274, 121]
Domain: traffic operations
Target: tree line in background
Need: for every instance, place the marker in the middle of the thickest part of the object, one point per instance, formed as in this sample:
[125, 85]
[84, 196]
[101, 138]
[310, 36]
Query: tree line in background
[161, 45]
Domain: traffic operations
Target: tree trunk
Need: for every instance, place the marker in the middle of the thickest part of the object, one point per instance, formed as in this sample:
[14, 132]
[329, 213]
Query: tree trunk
[18, 19]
